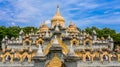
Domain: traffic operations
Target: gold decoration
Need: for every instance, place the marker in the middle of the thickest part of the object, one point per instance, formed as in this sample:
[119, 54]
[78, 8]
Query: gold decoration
[78, 54]
[64, 47]
[72, 28]
[46, 51]
[55, 62]
[19, 56]
[96, 54]
[25, 54]
[118, 57]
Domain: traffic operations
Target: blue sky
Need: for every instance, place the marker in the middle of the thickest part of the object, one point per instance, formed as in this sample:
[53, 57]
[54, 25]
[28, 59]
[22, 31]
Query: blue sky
[84, 13]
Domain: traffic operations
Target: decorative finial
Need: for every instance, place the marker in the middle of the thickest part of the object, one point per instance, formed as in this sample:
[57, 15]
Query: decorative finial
[94, 32]
[44, 23]
[109, 37]
[71, 22]
[3, 39]
[21, 31]
[6, 37]
[58, 11]
[57, 6]
[32, 30]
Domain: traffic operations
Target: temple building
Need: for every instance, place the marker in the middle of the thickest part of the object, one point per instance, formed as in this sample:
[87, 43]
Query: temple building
[58, 46]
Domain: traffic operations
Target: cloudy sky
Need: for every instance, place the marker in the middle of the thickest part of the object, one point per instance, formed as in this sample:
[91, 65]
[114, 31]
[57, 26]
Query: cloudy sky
[84, 13]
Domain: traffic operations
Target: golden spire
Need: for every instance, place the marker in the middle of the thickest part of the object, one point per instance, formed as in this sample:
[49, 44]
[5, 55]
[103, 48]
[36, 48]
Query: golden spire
[42, 24]
[58, 16]
[44, 27]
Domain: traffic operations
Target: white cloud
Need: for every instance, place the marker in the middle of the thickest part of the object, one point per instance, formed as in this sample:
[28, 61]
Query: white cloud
[118, 13]
[87, 5]
[35, 12]
[48, 21]
[13, 24]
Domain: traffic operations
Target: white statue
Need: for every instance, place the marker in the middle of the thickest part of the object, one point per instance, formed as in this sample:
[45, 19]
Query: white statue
[55, 40]
[40, 52]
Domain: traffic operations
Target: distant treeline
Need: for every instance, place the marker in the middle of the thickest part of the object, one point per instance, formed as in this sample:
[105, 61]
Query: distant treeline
[14, 32]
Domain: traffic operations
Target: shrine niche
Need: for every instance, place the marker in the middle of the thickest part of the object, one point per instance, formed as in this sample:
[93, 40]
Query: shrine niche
[39, 41]
[105, 56]
[87, 56]
[26, 57]
[27, 41]
[87, 42]
[74, 42]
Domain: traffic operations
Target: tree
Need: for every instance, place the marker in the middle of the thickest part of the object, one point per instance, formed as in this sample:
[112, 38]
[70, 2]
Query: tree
[13, 31]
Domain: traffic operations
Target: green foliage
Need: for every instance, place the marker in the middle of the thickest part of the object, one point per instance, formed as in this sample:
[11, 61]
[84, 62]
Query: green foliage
[116, 38]
[105, 32]
[13, 31]
[2, 32]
